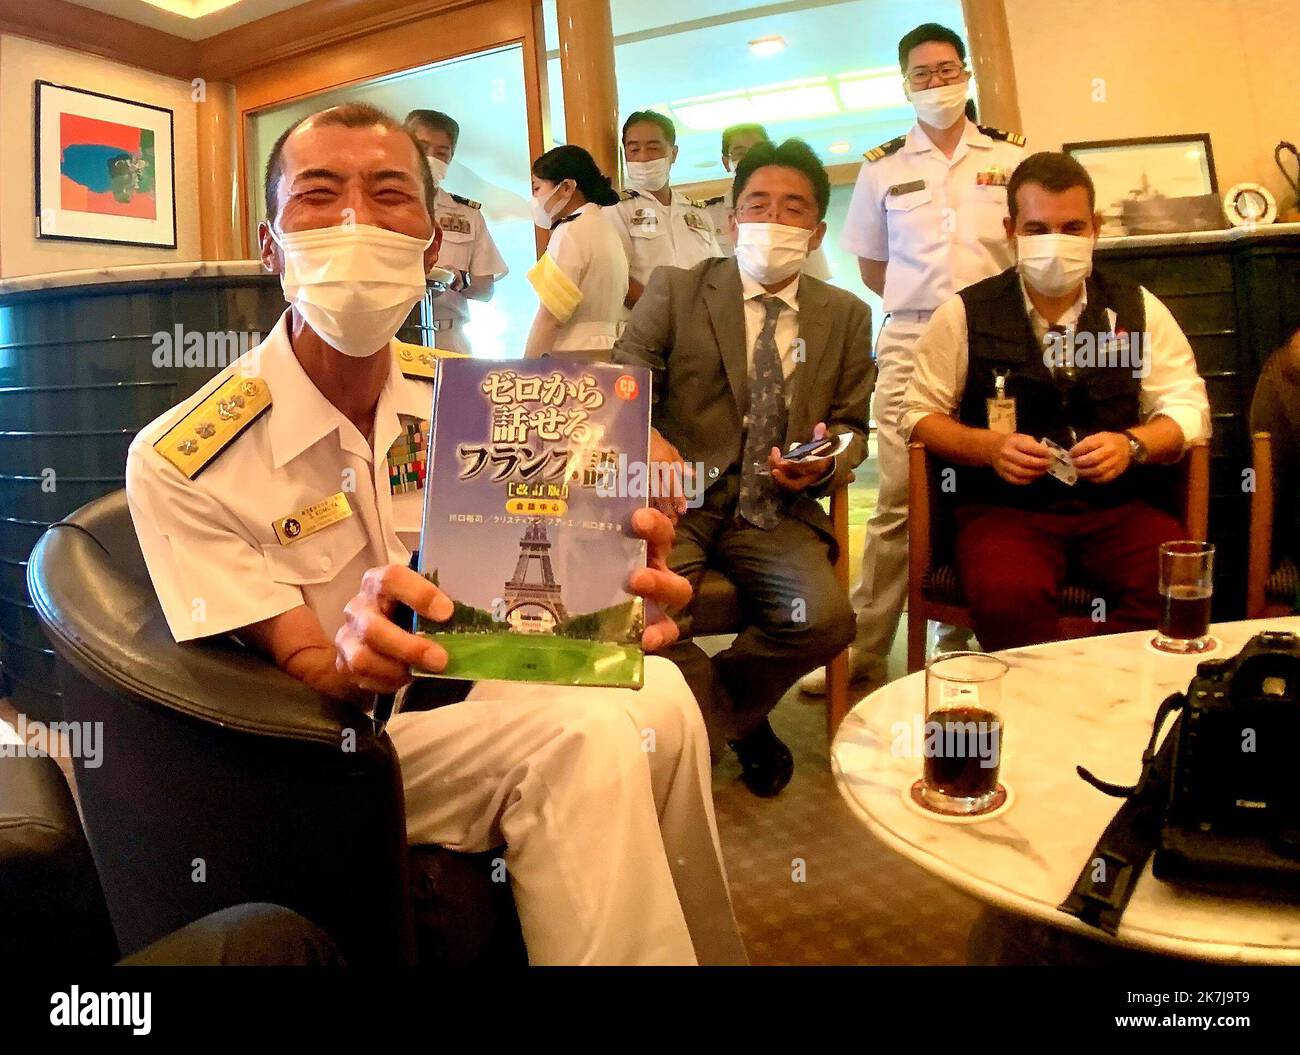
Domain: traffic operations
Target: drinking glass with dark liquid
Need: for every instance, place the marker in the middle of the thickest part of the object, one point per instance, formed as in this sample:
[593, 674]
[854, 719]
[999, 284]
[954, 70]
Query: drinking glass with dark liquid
[963, 733]
[1186, 590]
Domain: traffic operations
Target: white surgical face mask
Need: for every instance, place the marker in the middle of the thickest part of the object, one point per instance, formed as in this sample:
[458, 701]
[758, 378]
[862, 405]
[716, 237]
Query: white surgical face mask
[1053, 264]
[353, 285]
[940, 107]
[439, 169]
[649, 176]
[543, 214]
[771, 252]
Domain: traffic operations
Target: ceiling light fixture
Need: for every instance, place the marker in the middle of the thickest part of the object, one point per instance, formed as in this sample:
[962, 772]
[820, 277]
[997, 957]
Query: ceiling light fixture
[766, 47]
[795, 101]
[878, 89]
[192, 8]
[840, 146]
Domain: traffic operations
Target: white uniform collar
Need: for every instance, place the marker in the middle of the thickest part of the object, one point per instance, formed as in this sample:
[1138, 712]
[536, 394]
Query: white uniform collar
[301, 416]
[920, 143]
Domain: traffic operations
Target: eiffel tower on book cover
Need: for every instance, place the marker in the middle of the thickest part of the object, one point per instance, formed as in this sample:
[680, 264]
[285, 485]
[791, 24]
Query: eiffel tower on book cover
[534, 607]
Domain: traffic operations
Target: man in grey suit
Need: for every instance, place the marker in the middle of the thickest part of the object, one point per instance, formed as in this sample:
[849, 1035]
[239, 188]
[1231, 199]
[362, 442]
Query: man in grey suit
[751, 357]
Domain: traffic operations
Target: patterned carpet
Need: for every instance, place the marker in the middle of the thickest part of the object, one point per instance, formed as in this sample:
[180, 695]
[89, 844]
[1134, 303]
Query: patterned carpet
[858, 902]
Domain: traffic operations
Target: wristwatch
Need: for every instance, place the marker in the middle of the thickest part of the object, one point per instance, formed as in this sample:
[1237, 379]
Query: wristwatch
[1137, 449]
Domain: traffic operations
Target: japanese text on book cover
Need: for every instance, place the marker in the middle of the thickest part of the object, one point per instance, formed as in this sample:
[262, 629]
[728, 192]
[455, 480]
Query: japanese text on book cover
[528, 519]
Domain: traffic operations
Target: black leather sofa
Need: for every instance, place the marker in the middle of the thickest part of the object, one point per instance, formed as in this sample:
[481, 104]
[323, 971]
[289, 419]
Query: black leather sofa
[52, 912]
[225, 781]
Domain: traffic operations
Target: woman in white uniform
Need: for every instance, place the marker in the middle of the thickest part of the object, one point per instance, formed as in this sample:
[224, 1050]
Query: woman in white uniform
[581, 279]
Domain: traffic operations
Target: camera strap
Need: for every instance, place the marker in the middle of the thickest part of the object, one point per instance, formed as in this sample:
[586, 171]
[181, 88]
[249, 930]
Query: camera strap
[1102, 891]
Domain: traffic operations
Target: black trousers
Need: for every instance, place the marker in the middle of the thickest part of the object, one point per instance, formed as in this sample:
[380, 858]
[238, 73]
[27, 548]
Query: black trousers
[250, 935]
[798, 614]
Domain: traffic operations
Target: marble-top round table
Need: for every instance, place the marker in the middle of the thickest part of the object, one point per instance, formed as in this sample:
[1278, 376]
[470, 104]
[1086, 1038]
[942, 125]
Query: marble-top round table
[1085, 702]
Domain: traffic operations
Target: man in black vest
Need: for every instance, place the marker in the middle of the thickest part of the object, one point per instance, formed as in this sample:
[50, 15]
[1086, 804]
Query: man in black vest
[1057, 394]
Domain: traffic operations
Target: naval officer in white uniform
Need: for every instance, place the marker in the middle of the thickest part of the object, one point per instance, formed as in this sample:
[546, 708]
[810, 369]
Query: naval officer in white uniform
[657, 225]
[736, 143]
[467, 246]
[265, 508]
[925, 222]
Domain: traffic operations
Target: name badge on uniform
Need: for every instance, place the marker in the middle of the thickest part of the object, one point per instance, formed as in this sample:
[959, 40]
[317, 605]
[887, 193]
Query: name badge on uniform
[645, 218]
[906, 188]
[316, 517]
[1001, 408]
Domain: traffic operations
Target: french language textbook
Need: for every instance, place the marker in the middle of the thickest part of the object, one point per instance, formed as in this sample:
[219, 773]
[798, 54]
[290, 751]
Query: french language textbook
[531, 484]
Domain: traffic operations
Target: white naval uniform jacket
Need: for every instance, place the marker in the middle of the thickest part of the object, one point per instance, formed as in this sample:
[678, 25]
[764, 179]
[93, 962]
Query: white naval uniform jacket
[679, 234]
[936, 220]
[209, 542]
[467, 246]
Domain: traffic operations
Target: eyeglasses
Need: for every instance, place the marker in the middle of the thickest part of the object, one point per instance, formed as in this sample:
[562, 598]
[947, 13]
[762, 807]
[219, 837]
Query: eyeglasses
[947, 72]
[792, 214]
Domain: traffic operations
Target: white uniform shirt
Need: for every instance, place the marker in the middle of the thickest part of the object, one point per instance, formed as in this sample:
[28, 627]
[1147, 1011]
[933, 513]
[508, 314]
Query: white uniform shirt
[936, 220]
[467, 246]
[679, 234]
[581, 279]
[213, 555]
[1172, 387]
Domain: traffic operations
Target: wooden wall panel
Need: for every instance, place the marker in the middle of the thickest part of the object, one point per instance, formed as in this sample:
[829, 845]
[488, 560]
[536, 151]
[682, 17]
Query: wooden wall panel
[109, 37]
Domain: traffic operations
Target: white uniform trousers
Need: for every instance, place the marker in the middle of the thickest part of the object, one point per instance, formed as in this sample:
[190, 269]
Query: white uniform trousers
[454, 339]
[881, 593]
[603, 799]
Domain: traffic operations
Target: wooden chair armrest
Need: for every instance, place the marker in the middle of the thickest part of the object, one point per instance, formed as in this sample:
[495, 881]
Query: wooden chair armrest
[1196, 497]
[1261, 526]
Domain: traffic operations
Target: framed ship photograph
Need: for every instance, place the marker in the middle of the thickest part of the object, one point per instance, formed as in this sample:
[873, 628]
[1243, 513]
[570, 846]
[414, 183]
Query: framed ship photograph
[1153, 184]
[105, 168]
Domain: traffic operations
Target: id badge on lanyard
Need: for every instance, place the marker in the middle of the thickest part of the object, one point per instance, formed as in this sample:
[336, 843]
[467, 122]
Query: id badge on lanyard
[1001, 408]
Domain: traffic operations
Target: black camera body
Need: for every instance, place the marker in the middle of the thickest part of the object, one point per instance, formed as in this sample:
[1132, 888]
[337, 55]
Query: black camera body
[1233, 817]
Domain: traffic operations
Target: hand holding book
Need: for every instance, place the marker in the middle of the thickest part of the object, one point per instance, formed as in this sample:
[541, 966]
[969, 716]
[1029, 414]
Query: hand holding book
[665, 591]
[374, 651]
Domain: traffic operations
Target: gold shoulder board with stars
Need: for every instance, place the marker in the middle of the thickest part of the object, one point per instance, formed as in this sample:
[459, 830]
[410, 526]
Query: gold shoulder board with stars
[627, 195]
[1014, 138]
[885, 149]
[418, 361]
[194, 441]
[707, 202]
[467, 201]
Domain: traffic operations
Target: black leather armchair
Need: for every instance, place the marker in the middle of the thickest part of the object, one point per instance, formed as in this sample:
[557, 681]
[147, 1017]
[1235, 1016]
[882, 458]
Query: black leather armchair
[225, 780]
[52, 912]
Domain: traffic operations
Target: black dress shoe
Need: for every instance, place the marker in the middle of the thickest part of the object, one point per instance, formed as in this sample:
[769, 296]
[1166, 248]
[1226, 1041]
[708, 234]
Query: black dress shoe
[766, 763]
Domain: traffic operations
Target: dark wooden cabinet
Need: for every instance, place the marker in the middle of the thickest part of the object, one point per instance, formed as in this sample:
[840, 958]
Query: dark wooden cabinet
[1237, 297]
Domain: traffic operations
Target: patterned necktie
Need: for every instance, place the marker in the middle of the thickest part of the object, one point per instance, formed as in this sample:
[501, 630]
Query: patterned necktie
[760, 496]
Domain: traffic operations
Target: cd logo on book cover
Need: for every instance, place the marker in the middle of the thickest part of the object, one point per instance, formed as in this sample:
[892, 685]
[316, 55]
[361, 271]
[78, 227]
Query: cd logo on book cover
[626, 387]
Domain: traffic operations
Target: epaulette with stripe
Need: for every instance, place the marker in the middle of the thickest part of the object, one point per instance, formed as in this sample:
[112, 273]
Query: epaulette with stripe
[1014, 138]
[466, 201]
[705, 203]
[700, 203]
[194, 442]
[885, 149]
[420, 362]
[627, 195]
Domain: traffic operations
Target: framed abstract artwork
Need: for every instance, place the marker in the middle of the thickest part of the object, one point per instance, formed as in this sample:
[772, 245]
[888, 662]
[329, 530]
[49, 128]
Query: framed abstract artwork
[105, 168]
